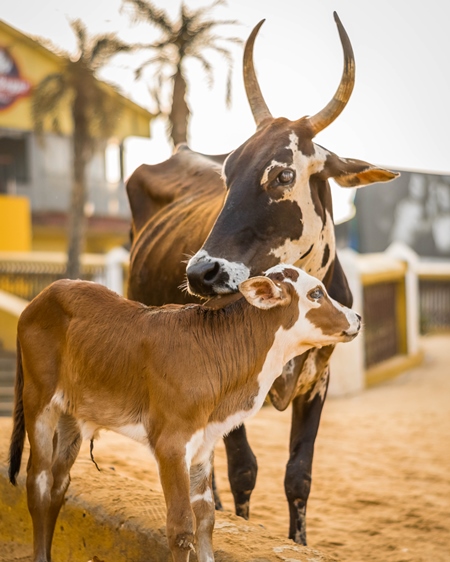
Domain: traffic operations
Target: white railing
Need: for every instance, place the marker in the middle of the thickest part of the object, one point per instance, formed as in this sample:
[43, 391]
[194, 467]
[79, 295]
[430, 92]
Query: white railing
[389, 342]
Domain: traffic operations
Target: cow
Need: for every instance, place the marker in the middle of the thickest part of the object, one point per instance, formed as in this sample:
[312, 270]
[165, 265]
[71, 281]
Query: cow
[175, 378]
[234, 216]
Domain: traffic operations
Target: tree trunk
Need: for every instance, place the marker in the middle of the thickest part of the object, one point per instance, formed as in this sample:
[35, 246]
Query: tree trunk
[179, 113]
[77, 220]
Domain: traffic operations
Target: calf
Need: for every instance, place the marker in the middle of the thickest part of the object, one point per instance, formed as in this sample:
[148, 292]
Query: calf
[175, 378]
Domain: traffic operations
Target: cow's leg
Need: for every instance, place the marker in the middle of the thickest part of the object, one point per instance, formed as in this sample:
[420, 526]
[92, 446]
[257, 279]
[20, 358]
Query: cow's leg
[174, 476]
[202, 502]
[242, 469]
[41, 430]
[306, 412]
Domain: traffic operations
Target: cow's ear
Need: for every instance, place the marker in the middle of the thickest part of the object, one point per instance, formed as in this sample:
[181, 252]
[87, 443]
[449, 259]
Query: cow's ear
[348, 172]
[263, 293]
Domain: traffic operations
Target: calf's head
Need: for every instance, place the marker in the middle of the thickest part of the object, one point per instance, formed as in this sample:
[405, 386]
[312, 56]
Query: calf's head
[278, 206]
[313, 318]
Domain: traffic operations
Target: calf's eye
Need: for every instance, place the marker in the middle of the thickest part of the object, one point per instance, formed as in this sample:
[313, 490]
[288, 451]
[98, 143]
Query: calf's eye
[316, 294]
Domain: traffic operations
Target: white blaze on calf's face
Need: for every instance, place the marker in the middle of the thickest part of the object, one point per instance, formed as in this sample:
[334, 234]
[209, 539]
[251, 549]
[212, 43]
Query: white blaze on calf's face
[322, 321]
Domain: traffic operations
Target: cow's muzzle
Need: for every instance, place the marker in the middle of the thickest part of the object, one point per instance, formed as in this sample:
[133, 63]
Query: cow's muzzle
[207, 278]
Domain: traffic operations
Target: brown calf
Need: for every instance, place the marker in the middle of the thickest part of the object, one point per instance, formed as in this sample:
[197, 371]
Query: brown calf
[175, 378]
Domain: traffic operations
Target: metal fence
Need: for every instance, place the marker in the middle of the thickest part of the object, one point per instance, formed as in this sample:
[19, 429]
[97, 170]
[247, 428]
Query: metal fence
[434, 305]
[381, 322]
[26, 275]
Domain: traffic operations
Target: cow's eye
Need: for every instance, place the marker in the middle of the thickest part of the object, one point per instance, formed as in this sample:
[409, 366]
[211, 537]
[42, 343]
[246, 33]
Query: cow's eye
[316, 294]
[286, 176]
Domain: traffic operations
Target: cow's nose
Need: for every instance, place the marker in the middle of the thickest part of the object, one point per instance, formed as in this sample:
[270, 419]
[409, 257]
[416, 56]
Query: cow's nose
[202, 276]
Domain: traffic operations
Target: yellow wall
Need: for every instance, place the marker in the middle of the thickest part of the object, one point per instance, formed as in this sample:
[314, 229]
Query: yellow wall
[8, 330]
[15, 224]
[11, 308]
[55, 240]
[35, 62]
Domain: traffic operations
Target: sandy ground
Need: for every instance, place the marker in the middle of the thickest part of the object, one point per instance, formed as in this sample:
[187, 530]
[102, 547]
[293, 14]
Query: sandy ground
[381, 479]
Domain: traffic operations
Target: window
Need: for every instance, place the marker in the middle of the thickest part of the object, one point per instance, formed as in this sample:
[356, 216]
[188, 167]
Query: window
[14, 165]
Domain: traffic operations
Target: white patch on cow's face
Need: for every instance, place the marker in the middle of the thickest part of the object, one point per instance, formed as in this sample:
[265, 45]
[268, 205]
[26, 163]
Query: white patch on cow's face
[315, 234]
[271, 166]
[236, 271]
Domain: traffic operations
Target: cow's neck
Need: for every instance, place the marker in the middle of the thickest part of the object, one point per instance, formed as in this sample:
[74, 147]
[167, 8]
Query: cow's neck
[320, 253]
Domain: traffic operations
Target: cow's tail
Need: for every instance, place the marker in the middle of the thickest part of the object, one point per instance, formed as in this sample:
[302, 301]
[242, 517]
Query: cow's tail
[18, 433]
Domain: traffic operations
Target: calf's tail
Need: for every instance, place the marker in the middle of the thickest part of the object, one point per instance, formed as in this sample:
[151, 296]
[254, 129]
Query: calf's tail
[18, 433]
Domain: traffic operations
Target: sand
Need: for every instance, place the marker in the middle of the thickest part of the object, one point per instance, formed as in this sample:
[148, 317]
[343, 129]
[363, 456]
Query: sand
[381, 475]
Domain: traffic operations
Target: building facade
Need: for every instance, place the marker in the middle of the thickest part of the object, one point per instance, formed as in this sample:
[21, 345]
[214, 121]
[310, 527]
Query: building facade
[413, 209]
[38, 172]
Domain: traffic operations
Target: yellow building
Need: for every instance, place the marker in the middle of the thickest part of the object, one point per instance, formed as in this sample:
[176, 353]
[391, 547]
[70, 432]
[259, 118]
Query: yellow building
[35, 177]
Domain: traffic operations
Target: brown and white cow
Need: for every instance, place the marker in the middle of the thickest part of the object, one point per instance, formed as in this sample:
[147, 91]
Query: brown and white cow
[269, 203]
[175, 378]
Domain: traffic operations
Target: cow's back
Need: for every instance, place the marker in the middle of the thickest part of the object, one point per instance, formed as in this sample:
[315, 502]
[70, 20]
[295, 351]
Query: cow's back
[174, 206]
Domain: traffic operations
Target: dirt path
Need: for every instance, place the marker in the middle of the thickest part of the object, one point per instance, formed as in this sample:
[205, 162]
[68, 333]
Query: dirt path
[381, 480]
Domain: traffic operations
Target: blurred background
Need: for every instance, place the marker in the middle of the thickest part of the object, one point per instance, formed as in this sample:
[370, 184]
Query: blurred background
[89, 91]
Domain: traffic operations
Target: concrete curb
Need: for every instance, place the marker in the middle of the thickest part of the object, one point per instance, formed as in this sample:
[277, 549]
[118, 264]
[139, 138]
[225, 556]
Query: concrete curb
[133, 530]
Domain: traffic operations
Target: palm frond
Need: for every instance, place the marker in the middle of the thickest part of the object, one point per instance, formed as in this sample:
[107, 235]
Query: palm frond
[144, 10]
[203, 27]
[46, 101]
[224, 52]
[189, 36]
[106, 46]
[79, 29]
[103, 113]
[161, 60]
[207, 68]
[200, 12]
[228, 90]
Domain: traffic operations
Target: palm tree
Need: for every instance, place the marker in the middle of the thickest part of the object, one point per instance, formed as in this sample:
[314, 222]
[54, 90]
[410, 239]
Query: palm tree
[188, 37]
[93, 110]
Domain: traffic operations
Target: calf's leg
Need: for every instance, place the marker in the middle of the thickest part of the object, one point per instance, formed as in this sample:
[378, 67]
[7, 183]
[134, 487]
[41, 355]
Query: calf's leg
[242, 469]
[67, 445]
[174, 475]
[202, 502]
[40, 479]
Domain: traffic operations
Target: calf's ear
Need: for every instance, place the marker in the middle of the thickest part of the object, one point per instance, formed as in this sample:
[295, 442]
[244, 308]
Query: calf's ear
[263, 293]
[348, 172]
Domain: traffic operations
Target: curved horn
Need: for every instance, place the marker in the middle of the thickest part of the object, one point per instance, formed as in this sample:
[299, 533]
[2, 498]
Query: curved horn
[329, 113]
[255, 98]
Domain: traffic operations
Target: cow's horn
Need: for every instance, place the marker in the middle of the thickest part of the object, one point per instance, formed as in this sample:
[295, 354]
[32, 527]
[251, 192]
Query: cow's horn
[329, 113]
[255, 98]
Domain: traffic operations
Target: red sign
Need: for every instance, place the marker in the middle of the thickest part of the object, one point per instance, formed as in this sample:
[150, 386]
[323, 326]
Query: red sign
[12, 85]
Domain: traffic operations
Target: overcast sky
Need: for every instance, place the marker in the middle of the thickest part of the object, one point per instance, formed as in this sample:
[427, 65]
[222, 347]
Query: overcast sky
[398, 115]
